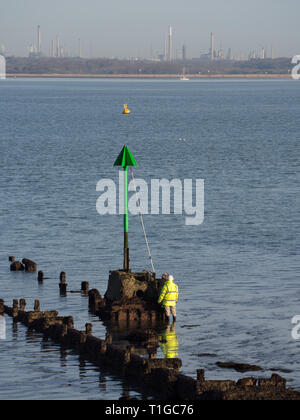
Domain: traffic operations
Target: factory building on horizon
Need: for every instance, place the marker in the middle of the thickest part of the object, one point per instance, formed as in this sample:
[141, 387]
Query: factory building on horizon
[2, 50]
[39, 40]
[35, 50]
[170, 50]
[212, 46]
[184, 52]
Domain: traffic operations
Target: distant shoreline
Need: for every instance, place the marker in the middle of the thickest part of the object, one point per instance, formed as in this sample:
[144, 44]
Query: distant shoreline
[150, 76]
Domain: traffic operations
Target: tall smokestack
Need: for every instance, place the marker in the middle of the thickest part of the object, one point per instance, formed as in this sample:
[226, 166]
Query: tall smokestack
[212, 46]
[170, 54]
[57, 47]
[39, 40]
[272, 52]
[80, 48]
[165, 50]
[184, 56]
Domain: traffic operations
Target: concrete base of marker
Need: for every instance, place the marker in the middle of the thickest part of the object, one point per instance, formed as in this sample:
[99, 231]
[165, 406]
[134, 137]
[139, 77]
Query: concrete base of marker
[130, 297]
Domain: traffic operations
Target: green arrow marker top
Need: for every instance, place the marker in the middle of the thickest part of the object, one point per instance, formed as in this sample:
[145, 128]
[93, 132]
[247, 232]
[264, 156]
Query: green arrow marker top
[125, 158]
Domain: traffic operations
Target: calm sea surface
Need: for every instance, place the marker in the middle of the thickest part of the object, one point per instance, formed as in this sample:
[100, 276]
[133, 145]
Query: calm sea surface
[238, 272]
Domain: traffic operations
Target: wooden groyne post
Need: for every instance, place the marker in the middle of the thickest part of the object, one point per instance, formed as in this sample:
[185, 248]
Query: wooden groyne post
[62, 283]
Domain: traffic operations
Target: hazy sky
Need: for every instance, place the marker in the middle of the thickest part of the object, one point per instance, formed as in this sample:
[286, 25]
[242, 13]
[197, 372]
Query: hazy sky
[130, 28]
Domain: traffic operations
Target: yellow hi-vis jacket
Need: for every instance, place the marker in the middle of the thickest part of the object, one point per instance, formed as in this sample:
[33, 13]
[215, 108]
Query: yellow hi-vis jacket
[169, 294]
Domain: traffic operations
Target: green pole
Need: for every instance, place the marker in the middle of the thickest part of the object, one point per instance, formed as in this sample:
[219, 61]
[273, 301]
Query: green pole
[126, 222]
[125, 159]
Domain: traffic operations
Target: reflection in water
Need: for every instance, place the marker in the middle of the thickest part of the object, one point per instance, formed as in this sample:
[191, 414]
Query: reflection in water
[125, 395]
[102, 381]
[63, 357]
[145, 338]
[32, 337]
[82, 368]
[141, 336]
[15, 330]
[168, 342]
[2, 328]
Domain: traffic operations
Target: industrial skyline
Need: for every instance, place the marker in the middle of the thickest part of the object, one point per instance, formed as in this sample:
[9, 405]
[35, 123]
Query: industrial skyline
[139, 29]
[59, 49]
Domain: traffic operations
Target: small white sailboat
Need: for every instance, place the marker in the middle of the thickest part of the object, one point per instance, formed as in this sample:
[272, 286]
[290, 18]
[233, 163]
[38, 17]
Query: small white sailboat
[183, 77]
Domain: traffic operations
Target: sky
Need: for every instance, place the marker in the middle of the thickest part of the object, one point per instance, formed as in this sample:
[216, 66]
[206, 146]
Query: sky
[120, 28]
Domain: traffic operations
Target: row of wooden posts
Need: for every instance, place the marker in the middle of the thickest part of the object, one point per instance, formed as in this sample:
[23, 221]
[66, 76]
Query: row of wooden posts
[63, 286]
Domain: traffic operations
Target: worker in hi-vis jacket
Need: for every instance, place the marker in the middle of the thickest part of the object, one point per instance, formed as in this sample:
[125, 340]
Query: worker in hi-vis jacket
[169, 296]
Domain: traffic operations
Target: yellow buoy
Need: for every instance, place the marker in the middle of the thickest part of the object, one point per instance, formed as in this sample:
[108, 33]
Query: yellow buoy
[126, 110]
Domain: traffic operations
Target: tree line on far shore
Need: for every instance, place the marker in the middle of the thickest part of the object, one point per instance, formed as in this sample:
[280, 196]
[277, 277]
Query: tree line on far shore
[44, 65]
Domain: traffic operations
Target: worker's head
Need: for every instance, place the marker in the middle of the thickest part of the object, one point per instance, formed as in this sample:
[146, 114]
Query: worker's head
[170, 277]
[165, 276]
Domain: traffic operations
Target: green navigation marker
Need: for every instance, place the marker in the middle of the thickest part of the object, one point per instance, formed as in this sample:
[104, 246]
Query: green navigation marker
[125, 159]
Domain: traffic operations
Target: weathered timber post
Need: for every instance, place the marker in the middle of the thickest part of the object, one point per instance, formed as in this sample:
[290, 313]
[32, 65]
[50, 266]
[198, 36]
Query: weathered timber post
[2, 309]
[70, 322]
[22, 305]
[63, 285]
[40, 277]
[15, 309]
[37, 307]
[85, 287]
[30, 266]
[89, 329]
[64, 331]
[201, 375]
[103, 347]
[127, 356]
[17, 266]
